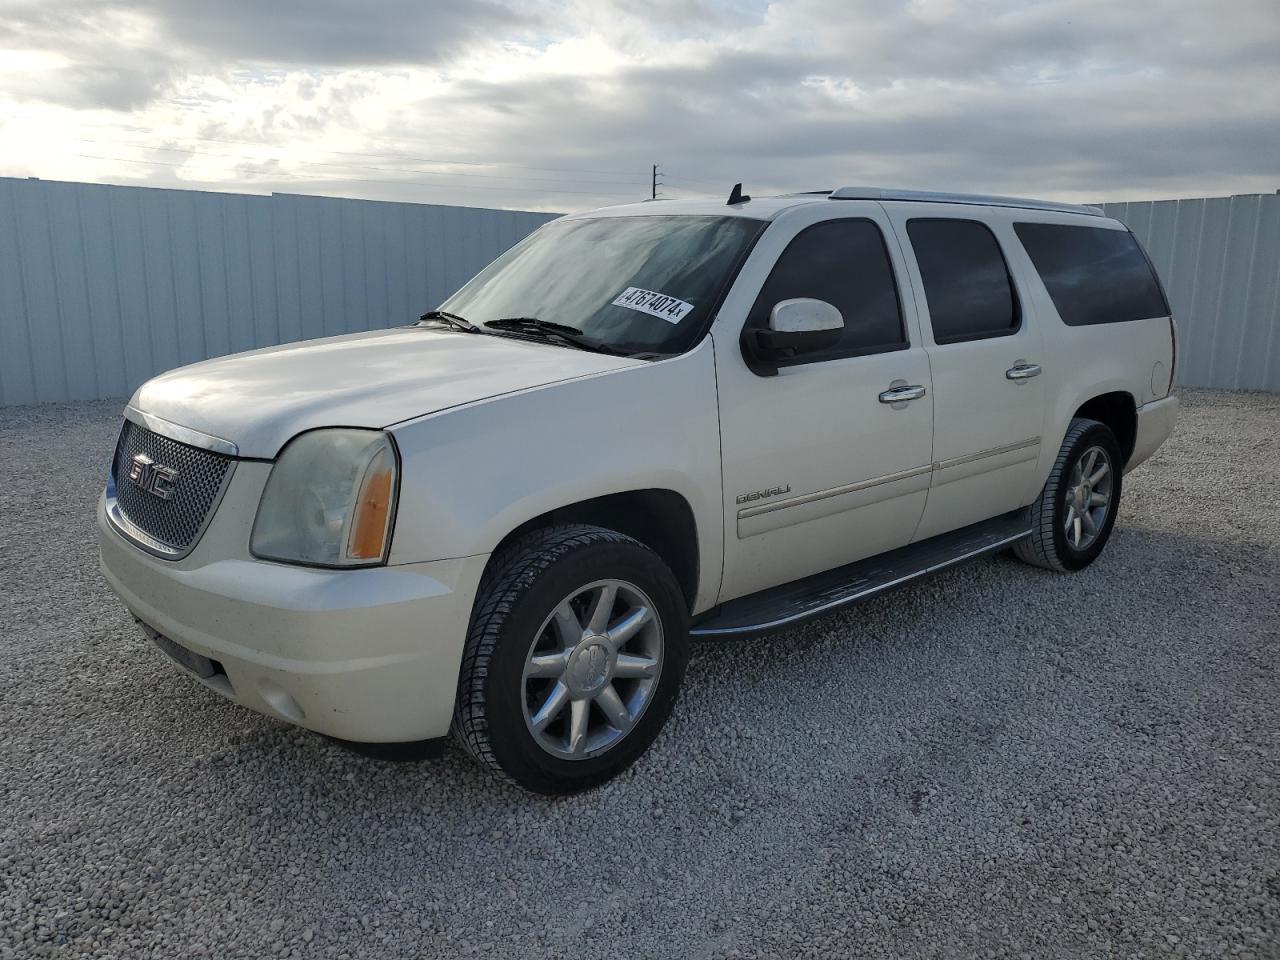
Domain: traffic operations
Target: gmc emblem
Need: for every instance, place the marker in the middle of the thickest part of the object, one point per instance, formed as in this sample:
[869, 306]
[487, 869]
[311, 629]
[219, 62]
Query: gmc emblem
[152, 477]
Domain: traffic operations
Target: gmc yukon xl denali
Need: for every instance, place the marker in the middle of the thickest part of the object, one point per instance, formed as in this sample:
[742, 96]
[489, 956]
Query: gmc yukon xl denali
[638, 426]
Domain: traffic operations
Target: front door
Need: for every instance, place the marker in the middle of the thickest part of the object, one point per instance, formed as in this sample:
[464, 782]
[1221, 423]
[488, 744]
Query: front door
[818, 471]
[985, 355]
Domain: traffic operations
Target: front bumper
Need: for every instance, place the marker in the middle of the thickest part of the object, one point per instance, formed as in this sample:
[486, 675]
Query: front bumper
[368, 655]
[1155, 426]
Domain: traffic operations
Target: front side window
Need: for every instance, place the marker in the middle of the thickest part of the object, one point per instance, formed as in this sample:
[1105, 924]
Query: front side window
[845, 263]
[635, 284]
[966, 281]
[1093, 275]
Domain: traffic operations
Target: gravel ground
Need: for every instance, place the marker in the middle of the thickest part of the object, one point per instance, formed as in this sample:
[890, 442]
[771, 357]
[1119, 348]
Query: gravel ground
[997, 762]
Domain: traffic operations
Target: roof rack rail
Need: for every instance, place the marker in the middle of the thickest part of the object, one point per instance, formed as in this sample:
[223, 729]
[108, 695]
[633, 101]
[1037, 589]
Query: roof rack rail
[934, 196]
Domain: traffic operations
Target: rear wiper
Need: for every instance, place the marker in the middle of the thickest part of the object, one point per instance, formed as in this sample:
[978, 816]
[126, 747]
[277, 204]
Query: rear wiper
[548, 330]
[450, 320]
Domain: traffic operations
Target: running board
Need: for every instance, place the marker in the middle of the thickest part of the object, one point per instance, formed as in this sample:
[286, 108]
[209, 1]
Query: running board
[791, 603]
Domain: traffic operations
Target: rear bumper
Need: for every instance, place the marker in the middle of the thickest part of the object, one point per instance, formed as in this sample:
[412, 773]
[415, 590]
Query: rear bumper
[1155, 426]
[364, 655]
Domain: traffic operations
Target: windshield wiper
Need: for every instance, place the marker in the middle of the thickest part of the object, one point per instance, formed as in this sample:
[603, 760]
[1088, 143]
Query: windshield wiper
[548, 330]
[449, 320]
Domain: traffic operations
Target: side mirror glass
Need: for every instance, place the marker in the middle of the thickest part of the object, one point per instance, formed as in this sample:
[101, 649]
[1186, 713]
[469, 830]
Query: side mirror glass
[796, 327]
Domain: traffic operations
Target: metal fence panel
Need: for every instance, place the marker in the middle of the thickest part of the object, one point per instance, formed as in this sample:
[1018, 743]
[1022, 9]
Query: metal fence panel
[102, 287]
[1219, 258]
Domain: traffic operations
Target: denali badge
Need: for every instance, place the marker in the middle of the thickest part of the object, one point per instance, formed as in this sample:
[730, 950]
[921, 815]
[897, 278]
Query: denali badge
[763, 494]
[151, 477]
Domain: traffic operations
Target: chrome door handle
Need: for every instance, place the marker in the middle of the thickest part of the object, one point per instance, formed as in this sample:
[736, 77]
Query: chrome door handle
[1023, 371]
[902, 394]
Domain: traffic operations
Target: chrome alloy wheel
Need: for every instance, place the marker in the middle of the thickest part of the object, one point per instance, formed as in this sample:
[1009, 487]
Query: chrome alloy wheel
[592, 669]
[1088, 498]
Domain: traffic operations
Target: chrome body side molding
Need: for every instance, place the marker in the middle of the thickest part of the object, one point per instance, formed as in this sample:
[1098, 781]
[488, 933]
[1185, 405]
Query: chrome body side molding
[984, 454]
[1030, 446]
[773, 505]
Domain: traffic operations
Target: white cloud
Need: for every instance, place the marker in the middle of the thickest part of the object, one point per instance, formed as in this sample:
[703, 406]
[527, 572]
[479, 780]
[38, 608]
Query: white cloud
[564, 105]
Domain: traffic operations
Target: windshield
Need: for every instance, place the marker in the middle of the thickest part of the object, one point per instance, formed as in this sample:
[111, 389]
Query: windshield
[635, 284]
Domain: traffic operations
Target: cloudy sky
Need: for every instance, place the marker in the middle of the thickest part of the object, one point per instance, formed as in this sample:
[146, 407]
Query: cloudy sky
[564, 105]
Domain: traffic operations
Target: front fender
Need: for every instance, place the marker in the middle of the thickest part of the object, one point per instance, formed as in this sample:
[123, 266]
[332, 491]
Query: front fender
[472, 474]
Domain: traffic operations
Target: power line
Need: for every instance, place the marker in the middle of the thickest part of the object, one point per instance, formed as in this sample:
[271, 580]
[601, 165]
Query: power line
[352, 166]
[718, 185]
[301, 179]
[482, 163]
[382, 156]
[626, 179]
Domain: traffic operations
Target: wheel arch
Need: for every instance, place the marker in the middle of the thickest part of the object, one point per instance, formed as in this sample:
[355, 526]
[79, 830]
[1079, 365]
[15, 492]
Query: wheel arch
[1119, 411]
[661, 519]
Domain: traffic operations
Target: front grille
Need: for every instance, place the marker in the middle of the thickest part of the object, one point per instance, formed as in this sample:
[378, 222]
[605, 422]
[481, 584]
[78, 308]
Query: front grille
[197, 481]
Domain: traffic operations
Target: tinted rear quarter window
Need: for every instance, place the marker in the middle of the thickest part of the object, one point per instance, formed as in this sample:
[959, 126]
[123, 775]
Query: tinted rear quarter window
[845, 263]
[966, 281]
[1093, 275]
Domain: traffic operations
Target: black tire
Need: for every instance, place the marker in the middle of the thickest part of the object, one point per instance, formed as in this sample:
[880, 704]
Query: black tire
[523, 584]
[1049, 546]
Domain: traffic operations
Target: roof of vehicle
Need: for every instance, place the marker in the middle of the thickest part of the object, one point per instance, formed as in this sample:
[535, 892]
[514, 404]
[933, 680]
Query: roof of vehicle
[766, 208]
[977, 199]
[757, 208]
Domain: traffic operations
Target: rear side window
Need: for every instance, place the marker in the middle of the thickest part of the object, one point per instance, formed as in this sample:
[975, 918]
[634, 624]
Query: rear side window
[1093, 275]
[845, 263]
[966, 281]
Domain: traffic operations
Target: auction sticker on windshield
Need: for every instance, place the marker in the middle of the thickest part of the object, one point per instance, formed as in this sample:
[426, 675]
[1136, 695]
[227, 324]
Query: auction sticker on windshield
[655, 304]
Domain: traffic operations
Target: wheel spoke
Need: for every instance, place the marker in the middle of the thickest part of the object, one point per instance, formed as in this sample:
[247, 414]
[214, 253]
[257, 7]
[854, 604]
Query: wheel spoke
[547, 665]
[551, 707]
[581, 693]
[1071, 517]
[628, 626]
[1099, 499]
[568, 627]
[603, 609]
[1090, 458]
[579, 718]
[1096, 478]
[613, 707]
[1077, 533]
[1090, 527]
[630, 667]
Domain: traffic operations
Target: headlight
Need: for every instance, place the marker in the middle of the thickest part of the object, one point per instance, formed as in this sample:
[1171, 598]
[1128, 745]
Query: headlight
[329, 500]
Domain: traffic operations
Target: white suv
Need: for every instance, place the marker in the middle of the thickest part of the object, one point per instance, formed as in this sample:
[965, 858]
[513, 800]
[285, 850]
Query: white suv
[639, 425]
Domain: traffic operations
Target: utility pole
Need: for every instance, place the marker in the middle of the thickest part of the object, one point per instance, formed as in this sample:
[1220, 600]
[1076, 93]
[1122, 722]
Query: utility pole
[653, 195]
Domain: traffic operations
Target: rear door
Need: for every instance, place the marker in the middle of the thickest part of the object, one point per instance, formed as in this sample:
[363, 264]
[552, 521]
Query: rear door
[986, 356]
[818, 471]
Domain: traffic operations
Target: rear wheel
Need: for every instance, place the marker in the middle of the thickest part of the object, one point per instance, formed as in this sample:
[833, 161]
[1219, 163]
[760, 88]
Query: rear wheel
[577, 647]
[1073, 517]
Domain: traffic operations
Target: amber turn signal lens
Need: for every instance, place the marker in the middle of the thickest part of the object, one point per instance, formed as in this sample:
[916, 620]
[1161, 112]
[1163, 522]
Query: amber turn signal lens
[369, 526]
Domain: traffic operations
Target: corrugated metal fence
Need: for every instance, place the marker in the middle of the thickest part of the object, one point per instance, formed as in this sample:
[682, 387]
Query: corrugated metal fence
[1220, 262]
[102, 287]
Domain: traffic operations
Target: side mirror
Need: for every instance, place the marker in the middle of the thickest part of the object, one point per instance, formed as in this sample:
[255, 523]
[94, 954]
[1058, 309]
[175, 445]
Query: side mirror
[796, 327]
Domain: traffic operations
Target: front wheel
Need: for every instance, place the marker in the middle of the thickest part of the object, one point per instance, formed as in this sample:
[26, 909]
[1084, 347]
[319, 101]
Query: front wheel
[1073, 517]
[577, 646]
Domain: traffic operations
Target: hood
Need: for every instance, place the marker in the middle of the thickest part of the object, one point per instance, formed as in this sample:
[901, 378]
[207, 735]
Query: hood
[261, 399]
